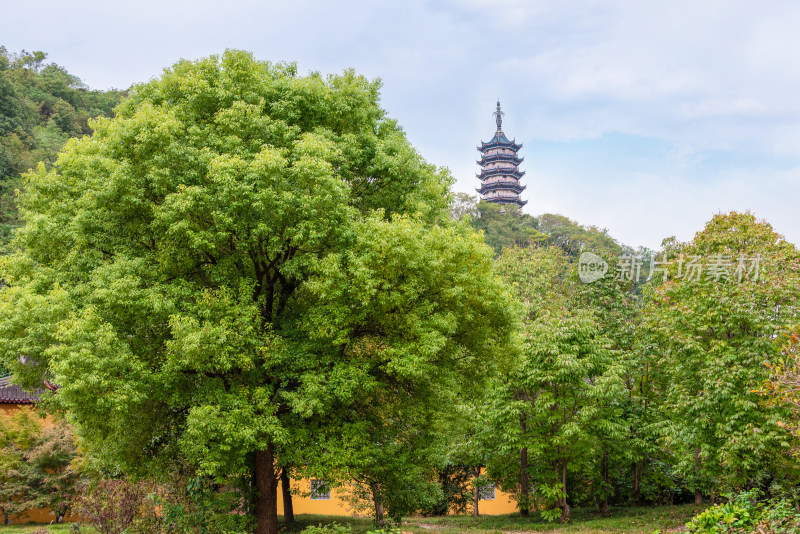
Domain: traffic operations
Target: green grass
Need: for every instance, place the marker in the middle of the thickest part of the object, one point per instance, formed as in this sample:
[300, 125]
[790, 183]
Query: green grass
[358, 524]
[63, 528]
[641, 520]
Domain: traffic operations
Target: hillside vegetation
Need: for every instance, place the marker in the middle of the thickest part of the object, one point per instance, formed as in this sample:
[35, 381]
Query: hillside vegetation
[42, 105]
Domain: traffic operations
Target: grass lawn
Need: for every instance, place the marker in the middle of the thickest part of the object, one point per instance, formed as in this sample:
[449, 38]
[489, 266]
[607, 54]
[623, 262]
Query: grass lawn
[643, 520]
[63, 528]
[623, 520]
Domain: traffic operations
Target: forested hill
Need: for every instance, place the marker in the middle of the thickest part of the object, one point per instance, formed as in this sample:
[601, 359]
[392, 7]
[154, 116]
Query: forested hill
[506, 226]
[41, 106]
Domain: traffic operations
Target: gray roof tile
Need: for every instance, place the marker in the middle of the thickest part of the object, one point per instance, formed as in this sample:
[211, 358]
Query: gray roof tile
[13, 394]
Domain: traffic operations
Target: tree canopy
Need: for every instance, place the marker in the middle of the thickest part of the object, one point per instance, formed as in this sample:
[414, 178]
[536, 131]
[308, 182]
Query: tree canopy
[238, 258]
[502, 225]
[713, 328]
[552, 405]
[573, 237]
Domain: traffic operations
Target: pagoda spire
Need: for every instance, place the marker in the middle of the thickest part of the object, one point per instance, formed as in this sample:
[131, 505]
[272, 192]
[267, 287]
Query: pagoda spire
[499, 118]
[500, 175]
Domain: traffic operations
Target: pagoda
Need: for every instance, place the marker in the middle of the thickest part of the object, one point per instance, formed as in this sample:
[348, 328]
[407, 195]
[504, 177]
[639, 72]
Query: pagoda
[500, 174]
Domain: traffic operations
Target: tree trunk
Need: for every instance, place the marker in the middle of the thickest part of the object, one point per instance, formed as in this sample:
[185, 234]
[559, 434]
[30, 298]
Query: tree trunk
[443, 483]
[524, 484]
[698, 494]
[288, 509]
[564, 505]
[604, 502]
[476, 494]
[376, 498]
[637, 474]
[267, 486]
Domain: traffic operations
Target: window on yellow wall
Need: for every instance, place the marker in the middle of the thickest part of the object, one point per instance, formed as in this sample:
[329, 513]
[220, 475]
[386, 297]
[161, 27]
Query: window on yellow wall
[320, 490]
[486, 493]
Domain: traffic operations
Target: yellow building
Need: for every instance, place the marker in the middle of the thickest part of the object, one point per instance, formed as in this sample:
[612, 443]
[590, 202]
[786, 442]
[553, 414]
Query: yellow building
[13, 399]
[305, 500]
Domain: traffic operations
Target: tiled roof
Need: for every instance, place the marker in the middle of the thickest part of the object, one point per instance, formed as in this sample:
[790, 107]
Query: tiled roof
[500, 139]
[13, 394]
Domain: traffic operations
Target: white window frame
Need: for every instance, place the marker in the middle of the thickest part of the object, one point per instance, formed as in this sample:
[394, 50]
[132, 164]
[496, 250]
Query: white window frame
[484, 492]
[315, 495]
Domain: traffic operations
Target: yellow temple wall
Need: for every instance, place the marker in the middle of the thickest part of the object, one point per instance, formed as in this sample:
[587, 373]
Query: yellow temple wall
[502, 504]
[302, 503]
[37, 515]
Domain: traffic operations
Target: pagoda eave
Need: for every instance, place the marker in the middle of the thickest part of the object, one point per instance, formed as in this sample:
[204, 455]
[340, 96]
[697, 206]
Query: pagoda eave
[483, 175]
[517, 189]
[519, 202]
[491, 144]
[500, 158]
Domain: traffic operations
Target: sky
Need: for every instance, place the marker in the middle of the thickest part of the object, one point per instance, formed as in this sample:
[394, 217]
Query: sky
[640, 116]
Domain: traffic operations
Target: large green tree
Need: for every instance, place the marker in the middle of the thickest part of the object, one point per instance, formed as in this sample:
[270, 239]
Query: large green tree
[234, 264]
[711, 327]
[546, 413]
[625, 464]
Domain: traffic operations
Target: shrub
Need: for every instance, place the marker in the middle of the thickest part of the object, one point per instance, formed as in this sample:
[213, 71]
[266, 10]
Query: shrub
[36, 466]
[111, 506]
[332, 528]
[779, 518]
[743, 514]
[728, 517]
[185, 505]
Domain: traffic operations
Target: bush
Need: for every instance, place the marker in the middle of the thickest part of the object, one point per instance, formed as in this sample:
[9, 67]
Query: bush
[181, 506]
[743, 513]
[779, 518]
[111, 506]
[336, 528]
[332, 528]
[193, 506]
[36, 466]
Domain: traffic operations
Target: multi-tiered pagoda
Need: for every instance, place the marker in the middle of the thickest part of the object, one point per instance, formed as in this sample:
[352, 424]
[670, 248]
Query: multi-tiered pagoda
[500, 172]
